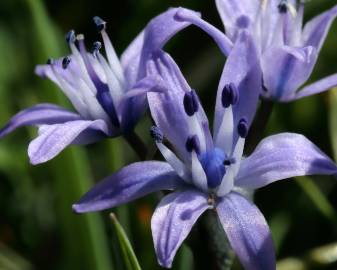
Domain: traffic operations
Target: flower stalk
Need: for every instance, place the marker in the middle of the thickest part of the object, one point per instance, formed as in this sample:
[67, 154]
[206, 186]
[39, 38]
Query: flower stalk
[209, 244]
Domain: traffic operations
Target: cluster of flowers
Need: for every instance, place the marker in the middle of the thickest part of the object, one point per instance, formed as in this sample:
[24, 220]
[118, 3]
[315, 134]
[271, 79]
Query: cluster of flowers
[270, 55]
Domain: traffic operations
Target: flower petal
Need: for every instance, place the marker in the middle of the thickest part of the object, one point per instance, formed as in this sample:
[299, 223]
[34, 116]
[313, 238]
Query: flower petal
[247, 231]
[232, 13]
[283, 156]
[168, 109]
[134, 102]
[39, 115]
[172, 221]
[285, 69]
[131, 182]
[316, 87]
[316, 30]
[242, 70]
[158, 31]
[55, 138]
[224, 43]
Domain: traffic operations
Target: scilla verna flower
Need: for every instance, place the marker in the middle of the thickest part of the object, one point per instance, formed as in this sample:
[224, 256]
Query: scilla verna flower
[288, 52]
[108, 95]
[207, 173]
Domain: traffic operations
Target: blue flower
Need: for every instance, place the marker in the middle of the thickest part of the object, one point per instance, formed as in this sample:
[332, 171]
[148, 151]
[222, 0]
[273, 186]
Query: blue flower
[205, 171]
[287, 50]
[109, 95]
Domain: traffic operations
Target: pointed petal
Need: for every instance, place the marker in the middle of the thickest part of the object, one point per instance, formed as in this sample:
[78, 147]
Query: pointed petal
[56, 137]
[39, 115]
[316, 30]
[167, 108]
[285, 69]
[280, 157]
[131, 182]
[172, 221]
[241, 69]
[247, 231]
[134, 102]
[224, 43]
[158, 31]
[316, 87]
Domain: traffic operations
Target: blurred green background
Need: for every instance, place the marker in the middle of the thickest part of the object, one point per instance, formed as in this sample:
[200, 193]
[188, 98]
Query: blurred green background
[37, 227]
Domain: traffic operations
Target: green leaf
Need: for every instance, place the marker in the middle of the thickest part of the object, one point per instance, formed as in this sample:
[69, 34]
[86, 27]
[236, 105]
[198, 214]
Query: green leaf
[317, 198]
[85, 241]
[129, 256]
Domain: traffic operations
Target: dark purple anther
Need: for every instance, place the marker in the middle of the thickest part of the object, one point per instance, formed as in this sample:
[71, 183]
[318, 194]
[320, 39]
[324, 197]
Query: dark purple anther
[65, 62]
[283, 6]
[230, 95]
[156, 134]
[96, 46]
[191, 103]
[243, 128]
[100, 24]
[192, 143]
[229, 161]
[242, 22]
[50, 61]
[70, 36]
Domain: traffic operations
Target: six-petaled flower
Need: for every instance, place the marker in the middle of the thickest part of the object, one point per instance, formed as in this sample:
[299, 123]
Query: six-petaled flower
[209, 171]
[288, 51]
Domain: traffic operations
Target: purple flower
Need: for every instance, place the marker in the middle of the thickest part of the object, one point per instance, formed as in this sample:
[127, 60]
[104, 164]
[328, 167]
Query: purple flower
[288, 50]
[109, 95]
[205, 171]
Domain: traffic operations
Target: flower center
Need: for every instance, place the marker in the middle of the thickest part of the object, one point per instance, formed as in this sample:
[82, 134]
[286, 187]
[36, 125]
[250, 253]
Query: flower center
[213, 163]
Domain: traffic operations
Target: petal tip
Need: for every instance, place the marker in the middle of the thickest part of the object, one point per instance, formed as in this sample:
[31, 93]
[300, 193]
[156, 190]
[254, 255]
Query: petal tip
[165, 262]
[77, 209]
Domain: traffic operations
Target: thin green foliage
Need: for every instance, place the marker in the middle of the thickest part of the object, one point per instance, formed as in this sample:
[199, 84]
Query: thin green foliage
[85, 237]
[129, 256]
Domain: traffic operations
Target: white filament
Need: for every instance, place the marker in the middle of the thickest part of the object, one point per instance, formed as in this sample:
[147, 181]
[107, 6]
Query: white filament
[224, 137]
[175, 162]
[198, 174]
[113, 58]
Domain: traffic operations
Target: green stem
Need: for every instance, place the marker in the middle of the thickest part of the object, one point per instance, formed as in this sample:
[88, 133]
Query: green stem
[215, 252]
[257, 129]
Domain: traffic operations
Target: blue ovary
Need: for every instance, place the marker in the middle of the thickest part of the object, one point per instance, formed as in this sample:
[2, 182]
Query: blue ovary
[213, 165]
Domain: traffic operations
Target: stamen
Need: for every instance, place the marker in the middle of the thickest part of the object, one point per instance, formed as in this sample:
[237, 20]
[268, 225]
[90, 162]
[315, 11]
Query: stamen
[103, 96]
[192, 143]
[229, 161]
[242, 22]
[100, 24]
[283, 6]
[191, 103]
[65, 62]
[243, 128]
[156, 134]
[230, 95]
[50, 61]
[70, 36]
[96, 46]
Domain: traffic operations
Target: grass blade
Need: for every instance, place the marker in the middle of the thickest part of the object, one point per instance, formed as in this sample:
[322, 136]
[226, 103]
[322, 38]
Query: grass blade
[129, 256]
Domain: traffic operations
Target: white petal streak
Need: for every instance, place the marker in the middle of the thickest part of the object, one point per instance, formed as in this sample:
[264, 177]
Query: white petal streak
[113, 58]
[175, 162]
[227, 182]
[198, 173]
[83, 70]
[237, 154]
[224, 137]
[115, 87]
